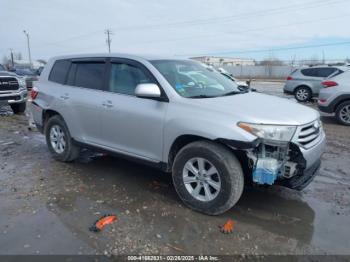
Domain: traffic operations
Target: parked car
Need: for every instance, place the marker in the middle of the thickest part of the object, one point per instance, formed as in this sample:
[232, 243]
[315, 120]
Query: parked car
[29, 75]
[13, 91]
[212, 137]
[305, 83]
[242, 84]
[335, 97]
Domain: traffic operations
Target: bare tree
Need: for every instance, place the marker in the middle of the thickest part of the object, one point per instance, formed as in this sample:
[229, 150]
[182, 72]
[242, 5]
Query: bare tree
[6, 61]
[271, 62]
[18, 56]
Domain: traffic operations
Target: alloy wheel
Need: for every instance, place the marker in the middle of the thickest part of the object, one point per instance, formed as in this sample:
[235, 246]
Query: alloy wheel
[344, 114]
[201, 179]
[57, 139]
[302, 94]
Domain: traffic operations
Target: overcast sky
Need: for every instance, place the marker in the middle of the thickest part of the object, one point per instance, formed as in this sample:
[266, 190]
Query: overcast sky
[251, 28]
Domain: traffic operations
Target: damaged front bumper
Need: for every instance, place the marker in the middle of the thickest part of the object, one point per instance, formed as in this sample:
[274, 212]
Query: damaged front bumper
[291, 164]
[298, 163]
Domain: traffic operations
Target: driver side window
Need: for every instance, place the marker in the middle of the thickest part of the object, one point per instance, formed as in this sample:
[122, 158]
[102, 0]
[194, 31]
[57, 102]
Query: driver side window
[125, 77]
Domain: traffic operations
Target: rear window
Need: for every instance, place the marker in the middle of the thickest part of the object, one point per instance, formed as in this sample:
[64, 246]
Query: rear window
[59, 71]
[2, 68]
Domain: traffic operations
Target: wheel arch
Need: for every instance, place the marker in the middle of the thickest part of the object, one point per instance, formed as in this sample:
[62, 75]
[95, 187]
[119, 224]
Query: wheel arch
[47, 114]
[183, 140]
[342, 99]
[303, 85]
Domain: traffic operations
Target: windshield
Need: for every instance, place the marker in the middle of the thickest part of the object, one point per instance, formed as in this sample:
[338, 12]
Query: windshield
[194, 80]
[23, 72]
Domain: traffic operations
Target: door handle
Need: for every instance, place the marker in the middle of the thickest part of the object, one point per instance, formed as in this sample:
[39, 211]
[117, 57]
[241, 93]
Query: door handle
[107, 104]
[65, 96]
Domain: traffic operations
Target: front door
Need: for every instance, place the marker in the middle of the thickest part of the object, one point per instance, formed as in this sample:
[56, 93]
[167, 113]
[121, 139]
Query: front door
[132, 125]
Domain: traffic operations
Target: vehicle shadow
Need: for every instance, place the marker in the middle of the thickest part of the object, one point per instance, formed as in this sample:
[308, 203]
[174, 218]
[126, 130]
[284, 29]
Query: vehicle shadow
[277, 210]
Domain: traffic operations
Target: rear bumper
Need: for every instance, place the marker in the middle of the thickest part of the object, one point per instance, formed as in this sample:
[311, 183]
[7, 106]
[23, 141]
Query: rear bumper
[14, 97]
[326, 109]
[37, 113]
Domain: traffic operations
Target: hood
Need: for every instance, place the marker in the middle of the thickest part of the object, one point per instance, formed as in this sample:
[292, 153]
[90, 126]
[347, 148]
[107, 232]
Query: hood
[259, 108]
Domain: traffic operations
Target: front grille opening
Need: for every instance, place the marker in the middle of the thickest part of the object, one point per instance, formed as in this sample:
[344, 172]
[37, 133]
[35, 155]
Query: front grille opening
[309, 134]
[8, 83]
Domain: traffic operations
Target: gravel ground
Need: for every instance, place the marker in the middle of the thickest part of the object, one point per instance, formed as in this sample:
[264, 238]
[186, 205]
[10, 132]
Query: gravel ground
[47, 207]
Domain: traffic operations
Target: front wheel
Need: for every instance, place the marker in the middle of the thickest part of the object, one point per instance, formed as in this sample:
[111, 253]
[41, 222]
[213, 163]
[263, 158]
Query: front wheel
[343, 113]
[303, 94]
[208, 177]
[18, 108]
[59, 141]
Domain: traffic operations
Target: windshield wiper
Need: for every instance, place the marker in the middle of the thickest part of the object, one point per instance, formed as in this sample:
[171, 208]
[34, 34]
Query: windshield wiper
[232, 93]
[200, 96]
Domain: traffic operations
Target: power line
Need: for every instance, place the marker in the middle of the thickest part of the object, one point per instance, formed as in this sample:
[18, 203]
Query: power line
[250, 30]
[275, 49]
[303, 6]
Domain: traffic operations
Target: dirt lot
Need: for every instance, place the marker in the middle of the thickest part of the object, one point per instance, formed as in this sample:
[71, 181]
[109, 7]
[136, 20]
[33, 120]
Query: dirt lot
[47, 206]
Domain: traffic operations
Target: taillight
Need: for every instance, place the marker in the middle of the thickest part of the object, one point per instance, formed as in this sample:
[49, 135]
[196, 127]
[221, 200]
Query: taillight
[329, 83]
[322, 101]
[34, 93]
[289, 78]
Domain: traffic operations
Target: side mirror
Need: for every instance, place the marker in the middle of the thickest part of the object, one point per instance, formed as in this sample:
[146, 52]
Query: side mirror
[148, 91]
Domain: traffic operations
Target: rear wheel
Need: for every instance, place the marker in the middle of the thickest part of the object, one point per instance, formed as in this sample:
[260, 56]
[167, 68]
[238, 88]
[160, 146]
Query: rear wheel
[208, 177]
[18, 108]
[59, 141]
[303, 94]
[343, 113]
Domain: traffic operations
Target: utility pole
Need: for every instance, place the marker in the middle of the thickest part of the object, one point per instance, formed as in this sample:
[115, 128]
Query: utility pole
[28, 45]
[323, 57]
[108, 40]
[12, 62]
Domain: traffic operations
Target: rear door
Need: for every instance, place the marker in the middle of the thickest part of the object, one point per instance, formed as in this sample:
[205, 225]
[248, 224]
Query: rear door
[86, 80]
[132, 125]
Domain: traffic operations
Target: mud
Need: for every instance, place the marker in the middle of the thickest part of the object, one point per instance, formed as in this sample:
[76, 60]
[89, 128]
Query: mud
[47, 207]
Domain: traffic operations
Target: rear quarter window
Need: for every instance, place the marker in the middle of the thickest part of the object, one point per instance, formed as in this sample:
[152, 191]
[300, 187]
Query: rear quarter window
[326, 72]
[59, 71]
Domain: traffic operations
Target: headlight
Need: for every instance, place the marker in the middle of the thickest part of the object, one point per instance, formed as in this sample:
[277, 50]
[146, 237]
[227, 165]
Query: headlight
[269, 132]
[22, 83]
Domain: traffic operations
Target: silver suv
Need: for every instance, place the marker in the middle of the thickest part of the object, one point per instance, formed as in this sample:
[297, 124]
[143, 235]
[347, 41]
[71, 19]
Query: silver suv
[211, 136]
[335, 97]
[305, 83]
[13, 91]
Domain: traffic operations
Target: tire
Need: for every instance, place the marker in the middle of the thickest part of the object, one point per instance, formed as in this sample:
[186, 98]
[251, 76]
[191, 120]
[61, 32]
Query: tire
[67, 153]
[342, 113]
[303, 94]
[229, 171]
[18, 108]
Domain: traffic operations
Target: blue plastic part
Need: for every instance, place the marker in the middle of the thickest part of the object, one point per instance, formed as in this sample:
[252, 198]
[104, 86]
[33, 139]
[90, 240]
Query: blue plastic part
[263, 176]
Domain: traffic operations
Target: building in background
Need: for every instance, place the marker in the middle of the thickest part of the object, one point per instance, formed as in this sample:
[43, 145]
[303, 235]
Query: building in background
[224, 61]
[36, 64]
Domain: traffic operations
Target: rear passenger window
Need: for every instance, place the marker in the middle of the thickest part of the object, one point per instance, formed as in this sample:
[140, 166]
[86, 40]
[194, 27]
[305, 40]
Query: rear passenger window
[124, 78]
[59, 71]
[309, 72]
[89, 75]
